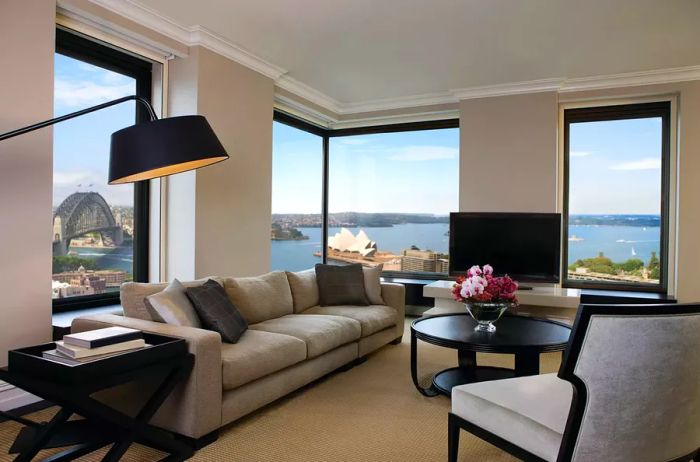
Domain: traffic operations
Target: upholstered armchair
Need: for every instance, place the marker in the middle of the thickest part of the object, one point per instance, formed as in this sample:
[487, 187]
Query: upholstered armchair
[628, 390]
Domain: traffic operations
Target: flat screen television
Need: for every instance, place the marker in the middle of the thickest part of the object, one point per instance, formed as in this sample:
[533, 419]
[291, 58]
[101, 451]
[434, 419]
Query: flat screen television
[526, 246]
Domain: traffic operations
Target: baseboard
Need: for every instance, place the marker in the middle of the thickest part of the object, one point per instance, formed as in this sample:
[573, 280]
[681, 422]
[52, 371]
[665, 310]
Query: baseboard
[12, 397]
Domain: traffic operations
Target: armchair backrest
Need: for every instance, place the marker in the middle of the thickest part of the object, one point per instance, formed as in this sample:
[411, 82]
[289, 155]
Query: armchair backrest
[636, 376]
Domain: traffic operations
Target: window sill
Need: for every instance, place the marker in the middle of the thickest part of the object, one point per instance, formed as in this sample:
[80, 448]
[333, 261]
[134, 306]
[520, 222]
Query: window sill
[618, 296]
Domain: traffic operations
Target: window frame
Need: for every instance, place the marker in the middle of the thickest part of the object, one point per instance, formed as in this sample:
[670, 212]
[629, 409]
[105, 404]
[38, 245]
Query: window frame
[326, 134]
[77, 46]
[599, 113]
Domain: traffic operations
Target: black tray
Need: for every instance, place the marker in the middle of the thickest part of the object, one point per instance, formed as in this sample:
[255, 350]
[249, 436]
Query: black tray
[29, 361]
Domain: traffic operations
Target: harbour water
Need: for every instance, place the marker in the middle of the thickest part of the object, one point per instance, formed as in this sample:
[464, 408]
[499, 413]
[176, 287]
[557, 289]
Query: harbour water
[619, 243]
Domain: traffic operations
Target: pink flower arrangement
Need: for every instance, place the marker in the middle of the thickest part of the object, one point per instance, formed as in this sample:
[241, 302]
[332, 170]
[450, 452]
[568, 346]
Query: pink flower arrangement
[480, 285]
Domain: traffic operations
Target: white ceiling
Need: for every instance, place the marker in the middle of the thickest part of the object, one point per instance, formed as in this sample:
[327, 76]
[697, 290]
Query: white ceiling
[355, 51]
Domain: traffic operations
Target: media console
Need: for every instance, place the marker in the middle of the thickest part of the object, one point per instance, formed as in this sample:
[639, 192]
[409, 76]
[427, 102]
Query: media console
[554, 297]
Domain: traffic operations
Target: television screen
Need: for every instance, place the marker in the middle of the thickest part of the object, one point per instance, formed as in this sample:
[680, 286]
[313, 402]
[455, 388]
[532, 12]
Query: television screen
[525, 246]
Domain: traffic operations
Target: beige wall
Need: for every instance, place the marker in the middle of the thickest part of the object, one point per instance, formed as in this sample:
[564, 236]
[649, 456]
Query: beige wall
[234, 197]
[219, 217]
[26, 93]
[508, 153]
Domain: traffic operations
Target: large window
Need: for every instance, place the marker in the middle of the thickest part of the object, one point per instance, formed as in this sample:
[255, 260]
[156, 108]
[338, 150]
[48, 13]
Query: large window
[374, 195]
[100, 232]
[390, 195]
[297, 189]
[616, 196]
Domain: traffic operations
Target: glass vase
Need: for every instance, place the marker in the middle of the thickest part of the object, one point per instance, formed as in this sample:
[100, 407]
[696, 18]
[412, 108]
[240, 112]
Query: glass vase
[486, 313]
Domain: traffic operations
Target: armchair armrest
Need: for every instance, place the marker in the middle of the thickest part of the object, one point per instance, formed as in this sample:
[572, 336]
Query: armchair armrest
[194, 408]
[394, 295]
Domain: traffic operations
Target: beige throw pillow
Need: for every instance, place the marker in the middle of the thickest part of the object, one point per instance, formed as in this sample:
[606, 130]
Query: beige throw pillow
[172, 306]
[261, 298]
[373, 285]
[304, 289]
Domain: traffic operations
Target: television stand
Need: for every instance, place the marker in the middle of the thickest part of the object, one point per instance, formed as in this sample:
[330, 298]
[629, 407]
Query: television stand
[555, 297]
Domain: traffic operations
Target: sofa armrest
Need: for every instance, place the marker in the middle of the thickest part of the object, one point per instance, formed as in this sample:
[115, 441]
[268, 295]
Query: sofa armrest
[394, 295]
[194, 407]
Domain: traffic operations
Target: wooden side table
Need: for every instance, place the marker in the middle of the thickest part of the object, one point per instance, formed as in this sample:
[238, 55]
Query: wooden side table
[71, 387]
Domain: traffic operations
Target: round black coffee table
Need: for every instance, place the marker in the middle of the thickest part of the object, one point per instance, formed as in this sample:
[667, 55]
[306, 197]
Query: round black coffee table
[523, 336]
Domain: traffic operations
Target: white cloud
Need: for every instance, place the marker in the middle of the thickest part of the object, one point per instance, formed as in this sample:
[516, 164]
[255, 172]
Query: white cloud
[579, 154]
[424, 153]
[86, 93]
[649, 163]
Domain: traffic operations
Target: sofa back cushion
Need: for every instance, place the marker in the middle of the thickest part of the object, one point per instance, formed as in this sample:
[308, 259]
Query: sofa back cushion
[304, 289]
[262, 297]
[341, 285]
[133, 295]
[373, 285]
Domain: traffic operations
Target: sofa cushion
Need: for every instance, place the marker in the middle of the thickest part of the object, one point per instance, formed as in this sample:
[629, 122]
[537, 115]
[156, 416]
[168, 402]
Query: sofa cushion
[373, 285]
[341, 285]
[172, 306]
[530, 412]
[321, 333]
[372, 318]
[216, 311]
[304, 289]
[261, 298]
[133, 294]
[257, 354]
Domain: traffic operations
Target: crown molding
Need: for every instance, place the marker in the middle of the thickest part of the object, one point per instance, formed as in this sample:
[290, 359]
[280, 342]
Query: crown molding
[200, 36]
[632, 79]
[190, 36]
[387, 104]
[310, 94]
[505, 89]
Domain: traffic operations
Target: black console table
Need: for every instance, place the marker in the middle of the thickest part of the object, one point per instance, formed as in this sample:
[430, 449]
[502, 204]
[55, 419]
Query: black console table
[70, 388]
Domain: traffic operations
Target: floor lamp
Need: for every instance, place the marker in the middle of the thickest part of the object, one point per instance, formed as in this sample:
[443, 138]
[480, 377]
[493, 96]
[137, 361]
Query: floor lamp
[152, 149]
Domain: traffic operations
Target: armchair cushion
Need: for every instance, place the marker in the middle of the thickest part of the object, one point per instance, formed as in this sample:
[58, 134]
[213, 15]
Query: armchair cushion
[372, 318]
[530, 412]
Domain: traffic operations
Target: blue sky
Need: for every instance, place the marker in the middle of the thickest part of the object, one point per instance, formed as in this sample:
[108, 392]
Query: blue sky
[407, 172]
[81, 146]
[615, 167]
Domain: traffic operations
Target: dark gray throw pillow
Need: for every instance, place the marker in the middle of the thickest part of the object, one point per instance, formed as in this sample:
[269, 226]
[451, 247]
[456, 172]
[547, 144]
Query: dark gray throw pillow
[216, 312]
[341, 285]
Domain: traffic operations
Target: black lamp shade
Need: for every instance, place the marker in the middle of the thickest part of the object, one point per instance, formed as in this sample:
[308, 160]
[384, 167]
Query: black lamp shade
[163, 147]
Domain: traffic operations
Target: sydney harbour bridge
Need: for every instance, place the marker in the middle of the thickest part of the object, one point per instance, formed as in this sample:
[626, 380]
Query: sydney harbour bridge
[82, 213]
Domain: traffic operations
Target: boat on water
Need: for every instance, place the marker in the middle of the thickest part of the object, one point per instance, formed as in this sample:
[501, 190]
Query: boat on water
[634, 252]
[575, 238]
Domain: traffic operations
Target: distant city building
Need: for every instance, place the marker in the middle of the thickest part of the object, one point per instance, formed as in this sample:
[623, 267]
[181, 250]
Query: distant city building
[84, 282]
[423, 261]
[345, 241]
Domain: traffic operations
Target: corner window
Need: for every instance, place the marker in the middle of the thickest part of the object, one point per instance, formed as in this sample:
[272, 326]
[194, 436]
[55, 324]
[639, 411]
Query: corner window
[100, 232]
[616, 193]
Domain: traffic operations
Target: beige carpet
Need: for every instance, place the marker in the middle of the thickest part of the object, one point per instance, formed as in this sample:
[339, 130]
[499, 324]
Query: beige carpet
[370, 413]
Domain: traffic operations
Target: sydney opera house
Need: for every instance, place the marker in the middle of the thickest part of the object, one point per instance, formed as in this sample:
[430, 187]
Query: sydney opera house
[345, 241]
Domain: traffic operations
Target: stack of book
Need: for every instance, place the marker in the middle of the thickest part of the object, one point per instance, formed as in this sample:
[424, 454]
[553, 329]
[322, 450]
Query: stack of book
[95, 344]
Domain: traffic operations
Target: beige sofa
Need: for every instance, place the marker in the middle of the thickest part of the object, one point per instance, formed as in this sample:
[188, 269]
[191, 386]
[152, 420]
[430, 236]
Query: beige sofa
[291, 341]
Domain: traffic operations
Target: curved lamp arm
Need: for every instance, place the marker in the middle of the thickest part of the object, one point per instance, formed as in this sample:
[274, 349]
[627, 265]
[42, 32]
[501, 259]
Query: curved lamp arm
[72, 115]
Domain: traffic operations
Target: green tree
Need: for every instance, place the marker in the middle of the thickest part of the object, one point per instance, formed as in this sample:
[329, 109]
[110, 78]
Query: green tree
[631, 265]
[62, 264]
[654, 266]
